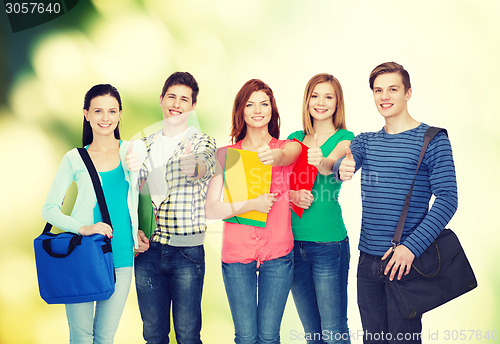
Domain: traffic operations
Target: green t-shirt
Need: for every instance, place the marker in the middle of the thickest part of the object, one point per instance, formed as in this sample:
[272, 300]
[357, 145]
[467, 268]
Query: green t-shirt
[322, 222]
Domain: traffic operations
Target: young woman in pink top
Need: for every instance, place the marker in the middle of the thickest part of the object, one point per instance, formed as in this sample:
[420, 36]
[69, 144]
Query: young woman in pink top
[247, 249]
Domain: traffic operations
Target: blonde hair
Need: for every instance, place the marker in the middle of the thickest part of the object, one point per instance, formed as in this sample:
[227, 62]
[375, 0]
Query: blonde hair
[339, 113]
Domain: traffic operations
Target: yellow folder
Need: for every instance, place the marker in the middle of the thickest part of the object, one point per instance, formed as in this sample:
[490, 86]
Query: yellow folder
[245, 177]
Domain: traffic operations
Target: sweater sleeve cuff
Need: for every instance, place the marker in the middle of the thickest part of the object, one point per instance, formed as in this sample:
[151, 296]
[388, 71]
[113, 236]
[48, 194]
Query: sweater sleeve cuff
[335, 169]
[413, 247]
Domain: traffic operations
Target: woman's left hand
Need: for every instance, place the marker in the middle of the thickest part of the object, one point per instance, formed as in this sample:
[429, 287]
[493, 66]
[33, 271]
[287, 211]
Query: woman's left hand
[303, 199]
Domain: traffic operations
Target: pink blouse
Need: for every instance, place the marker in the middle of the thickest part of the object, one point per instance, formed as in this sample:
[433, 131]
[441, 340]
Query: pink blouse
[243, 243]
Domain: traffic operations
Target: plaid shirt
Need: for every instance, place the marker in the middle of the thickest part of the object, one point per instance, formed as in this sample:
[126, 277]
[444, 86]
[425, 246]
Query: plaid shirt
[182, 212]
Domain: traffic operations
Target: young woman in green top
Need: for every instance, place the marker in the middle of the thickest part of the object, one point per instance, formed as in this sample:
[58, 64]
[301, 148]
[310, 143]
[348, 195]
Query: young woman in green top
[321, 249]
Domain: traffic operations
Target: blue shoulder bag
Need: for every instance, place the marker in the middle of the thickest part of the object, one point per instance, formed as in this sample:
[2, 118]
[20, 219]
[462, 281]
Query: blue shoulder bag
[72, 268]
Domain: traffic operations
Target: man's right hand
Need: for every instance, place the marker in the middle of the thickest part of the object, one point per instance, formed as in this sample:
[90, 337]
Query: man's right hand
[142, 241]
[348, 166]
[187, 161]
[131, 159]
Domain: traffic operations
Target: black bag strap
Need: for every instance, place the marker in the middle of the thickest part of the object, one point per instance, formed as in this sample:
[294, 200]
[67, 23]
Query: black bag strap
[97, 188]
[73, 243]
[47, 228]
[77, 239]
[428, 136]
[97, 185]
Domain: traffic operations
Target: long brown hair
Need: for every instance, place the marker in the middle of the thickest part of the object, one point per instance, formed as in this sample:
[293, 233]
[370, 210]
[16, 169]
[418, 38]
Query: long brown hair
[338, 117]
[238, 126]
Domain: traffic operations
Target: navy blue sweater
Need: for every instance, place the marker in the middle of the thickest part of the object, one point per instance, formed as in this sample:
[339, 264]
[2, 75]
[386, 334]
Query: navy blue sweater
[388, 163]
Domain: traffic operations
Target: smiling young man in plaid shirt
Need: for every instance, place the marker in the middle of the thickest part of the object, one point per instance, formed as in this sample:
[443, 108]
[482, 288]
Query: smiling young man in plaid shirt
[179, 164]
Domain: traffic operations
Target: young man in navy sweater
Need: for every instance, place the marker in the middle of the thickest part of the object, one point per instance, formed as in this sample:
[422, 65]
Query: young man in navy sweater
[388, 159]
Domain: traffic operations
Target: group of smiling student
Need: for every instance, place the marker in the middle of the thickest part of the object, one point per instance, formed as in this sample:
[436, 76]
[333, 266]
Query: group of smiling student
[183, 172]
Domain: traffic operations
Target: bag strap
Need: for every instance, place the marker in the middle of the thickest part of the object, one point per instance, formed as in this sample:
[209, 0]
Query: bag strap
[47, 228]
[97, 185]
[428, 136]
[75, 241]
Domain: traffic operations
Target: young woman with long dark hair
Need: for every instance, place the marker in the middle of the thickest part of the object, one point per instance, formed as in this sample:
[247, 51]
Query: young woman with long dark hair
[97, 322]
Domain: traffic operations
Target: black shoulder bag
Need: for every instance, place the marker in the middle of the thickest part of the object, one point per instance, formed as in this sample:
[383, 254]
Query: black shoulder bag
[440, 274]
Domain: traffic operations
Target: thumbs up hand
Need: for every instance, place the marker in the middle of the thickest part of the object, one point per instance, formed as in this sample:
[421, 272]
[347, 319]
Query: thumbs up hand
[131, 159]
[265, 153]
[348, 166]
[188, 162]
[314, 153]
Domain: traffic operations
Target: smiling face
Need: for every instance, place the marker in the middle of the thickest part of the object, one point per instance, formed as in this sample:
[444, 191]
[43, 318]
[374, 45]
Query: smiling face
[390, 96]
[103, 115]
[176, 101]
[323, 101]
[258, 111]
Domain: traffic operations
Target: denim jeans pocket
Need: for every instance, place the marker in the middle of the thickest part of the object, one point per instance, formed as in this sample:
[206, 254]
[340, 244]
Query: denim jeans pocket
[285, 258]
[195, 254]
[361, 257]
[334, 248]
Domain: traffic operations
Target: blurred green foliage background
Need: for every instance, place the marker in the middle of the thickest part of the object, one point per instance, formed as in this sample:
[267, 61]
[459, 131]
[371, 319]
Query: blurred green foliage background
[450, 48]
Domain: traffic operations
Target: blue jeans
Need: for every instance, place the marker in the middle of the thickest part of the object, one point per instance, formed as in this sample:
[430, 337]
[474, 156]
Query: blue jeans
[97, 322]
[319, 289]
[378, 308]
[257, 298]
[167, 275]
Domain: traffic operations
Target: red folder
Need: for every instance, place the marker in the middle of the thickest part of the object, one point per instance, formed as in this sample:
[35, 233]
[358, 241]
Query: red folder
[303, 176]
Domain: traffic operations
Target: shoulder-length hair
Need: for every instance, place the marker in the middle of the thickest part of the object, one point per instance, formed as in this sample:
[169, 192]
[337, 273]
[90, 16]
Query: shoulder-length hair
[338, 117]
[238, 126]
[96, 91]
